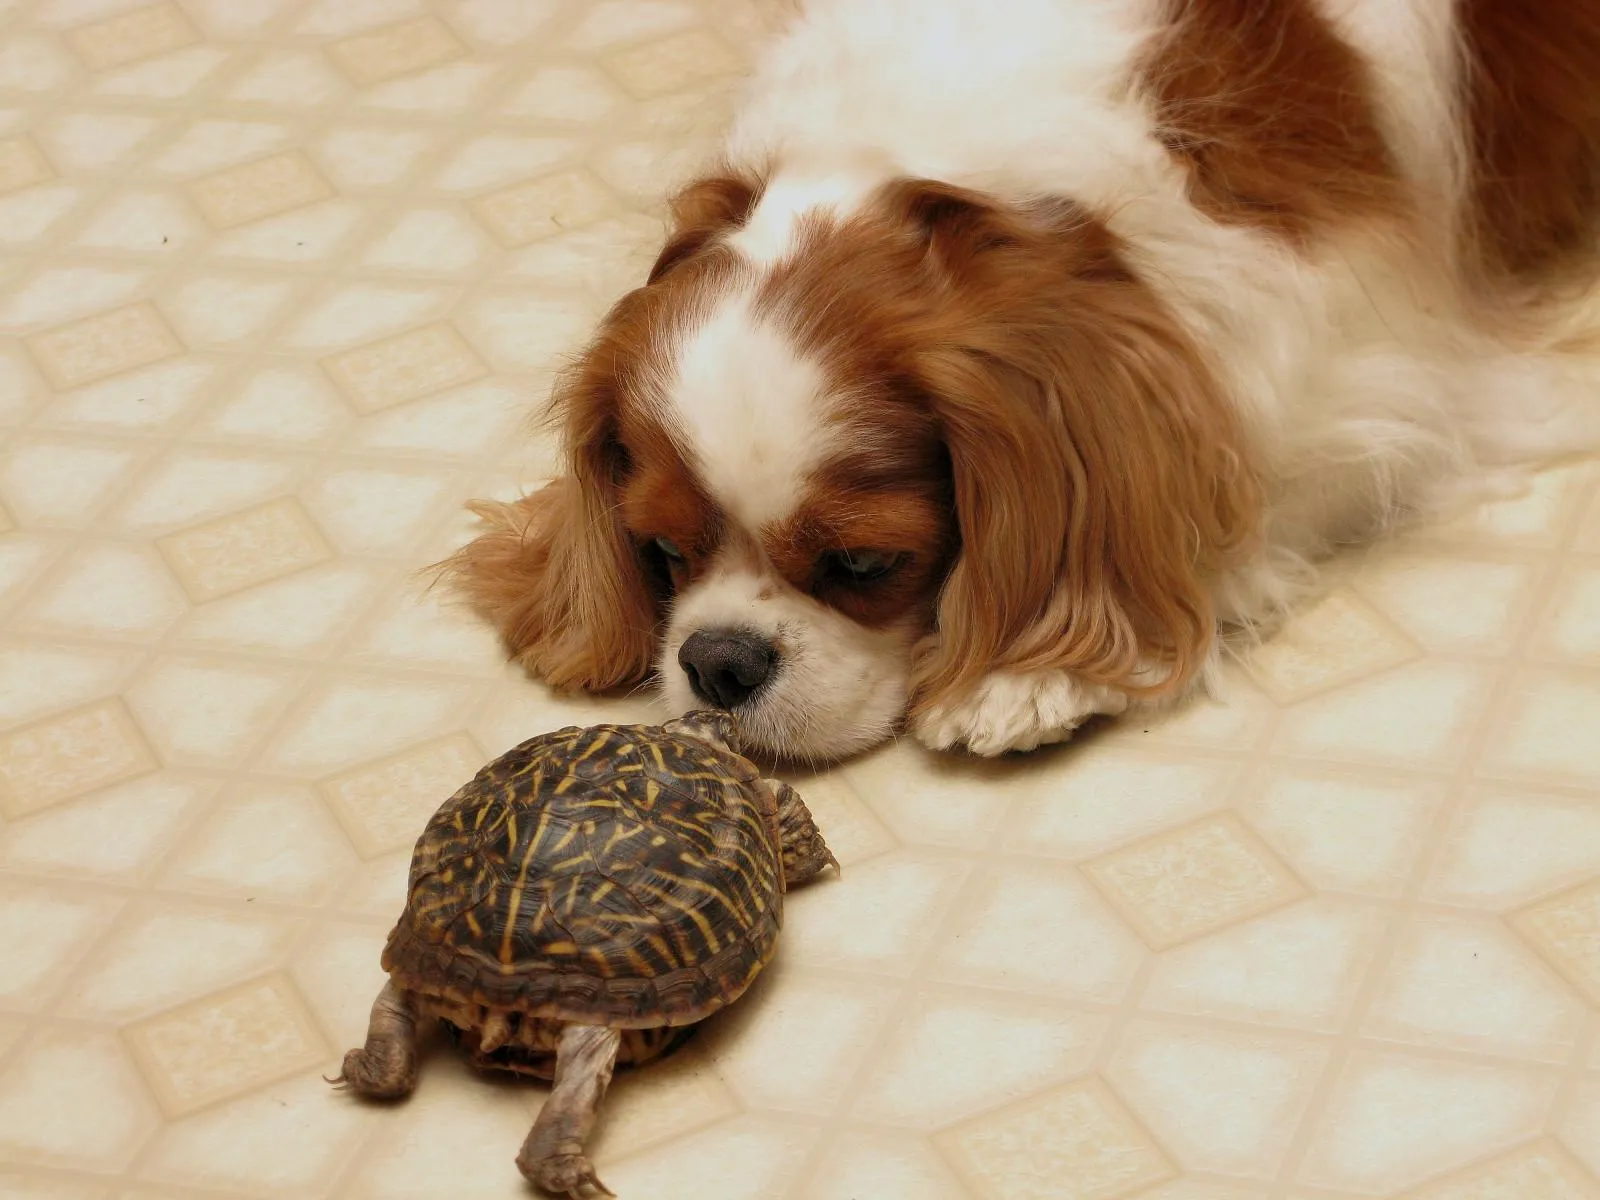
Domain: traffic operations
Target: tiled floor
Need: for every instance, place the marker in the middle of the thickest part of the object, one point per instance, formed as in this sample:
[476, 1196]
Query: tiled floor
[278, 280]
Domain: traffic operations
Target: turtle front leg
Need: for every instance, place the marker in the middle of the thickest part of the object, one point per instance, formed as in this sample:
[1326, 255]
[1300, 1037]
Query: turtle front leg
[552, 1157]
[804, 852]
[386, 1067]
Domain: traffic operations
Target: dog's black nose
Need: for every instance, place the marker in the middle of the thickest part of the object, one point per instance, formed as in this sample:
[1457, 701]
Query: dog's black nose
[727, 666]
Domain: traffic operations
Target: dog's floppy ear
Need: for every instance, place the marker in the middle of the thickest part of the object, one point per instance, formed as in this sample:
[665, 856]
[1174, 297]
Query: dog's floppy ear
[556, 572]
[1101, 479]
[700, 212]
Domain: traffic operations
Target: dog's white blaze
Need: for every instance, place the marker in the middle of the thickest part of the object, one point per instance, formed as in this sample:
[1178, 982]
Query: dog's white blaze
[750, 411]
[770, 234]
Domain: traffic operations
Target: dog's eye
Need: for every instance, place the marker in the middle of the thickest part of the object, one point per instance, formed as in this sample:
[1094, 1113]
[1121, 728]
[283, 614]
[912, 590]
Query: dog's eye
[664, 563]
[859, 566]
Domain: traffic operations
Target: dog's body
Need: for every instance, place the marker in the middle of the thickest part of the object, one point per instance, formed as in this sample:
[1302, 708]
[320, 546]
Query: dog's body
[1016, 351]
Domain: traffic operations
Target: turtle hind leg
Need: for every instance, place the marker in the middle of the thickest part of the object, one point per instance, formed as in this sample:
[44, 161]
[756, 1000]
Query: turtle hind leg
[386, 1067]
[552, 1157]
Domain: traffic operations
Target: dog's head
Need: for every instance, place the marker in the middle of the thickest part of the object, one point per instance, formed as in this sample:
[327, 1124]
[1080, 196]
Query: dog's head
[839, 459]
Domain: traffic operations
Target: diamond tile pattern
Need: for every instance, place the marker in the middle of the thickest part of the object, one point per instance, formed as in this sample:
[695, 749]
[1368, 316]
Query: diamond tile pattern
[259, 189]
[280, 281]
[142, 33]
[103, 345]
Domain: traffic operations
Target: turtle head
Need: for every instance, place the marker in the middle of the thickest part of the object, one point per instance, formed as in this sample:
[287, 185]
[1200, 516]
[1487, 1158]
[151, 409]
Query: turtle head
[712, 725]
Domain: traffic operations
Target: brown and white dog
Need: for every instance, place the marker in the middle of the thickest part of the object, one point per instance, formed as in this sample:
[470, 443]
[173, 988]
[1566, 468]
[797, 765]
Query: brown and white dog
[1015, 353]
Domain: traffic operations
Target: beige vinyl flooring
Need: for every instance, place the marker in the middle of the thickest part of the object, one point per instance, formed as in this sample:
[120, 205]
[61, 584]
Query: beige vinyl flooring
[279, 280]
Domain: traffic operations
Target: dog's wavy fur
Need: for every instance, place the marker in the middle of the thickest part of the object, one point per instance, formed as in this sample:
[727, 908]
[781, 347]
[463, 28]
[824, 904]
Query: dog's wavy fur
[1099, 332]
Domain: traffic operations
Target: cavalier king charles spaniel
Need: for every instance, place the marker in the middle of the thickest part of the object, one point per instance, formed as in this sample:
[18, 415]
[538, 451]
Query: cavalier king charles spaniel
[1015, 357]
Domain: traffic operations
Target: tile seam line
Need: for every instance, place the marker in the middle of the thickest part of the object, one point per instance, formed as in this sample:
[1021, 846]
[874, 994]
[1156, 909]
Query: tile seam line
[327, 271]
[461, 474]
[907, 990]
[174, 437]
[155, 283]
[557, 29]
[74, 93]
[1405, 907]
[175, 432]
[1588, 1033]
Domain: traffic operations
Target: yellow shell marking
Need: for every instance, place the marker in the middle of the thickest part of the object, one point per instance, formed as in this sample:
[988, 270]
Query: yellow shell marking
[700, 923]
[620, 834]
[564, 840]
[637, 962]
[514, 905]
[685, 798]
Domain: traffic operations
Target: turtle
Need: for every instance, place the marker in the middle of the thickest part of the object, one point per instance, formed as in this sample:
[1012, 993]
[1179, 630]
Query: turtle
[585, 900]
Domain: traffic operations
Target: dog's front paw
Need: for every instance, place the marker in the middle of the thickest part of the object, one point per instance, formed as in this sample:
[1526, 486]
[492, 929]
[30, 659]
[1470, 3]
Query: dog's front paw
[1015, 710]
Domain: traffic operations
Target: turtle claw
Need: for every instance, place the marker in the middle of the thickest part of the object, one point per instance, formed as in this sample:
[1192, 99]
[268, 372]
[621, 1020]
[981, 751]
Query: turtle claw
[377, 1075]
[570, 1175]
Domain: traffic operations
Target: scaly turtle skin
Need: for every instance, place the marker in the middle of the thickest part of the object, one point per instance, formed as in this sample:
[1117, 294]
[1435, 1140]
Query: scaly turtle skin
[586, 898]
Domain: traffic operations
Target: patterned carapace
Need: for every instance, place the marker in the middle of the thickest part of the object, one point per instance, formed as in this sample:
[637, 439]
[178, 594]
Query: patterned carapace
[618, 875]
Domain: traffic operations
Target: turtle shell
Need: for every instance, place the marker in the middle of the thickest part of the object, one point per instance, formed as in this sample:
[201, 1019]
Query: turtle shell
[617, 874]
